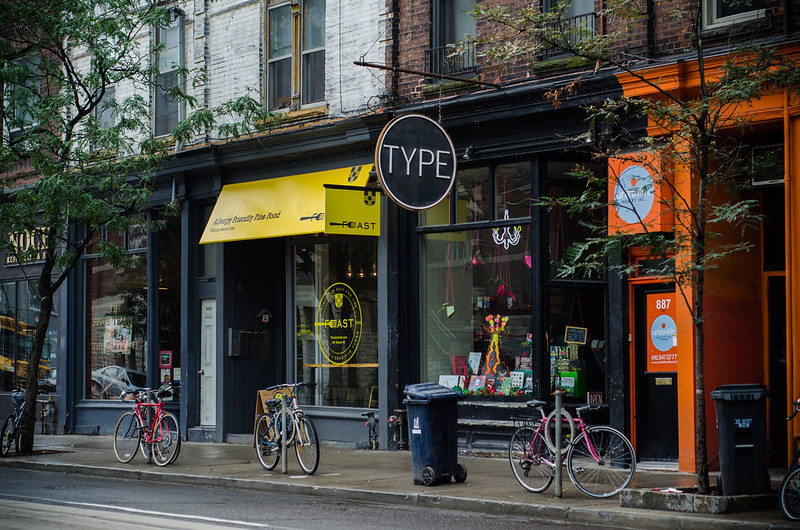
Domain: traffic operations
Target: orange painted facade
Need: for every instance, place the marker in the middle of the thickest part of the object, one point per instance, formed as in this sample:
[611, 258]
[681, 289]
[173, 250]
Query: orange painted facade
[736, 345]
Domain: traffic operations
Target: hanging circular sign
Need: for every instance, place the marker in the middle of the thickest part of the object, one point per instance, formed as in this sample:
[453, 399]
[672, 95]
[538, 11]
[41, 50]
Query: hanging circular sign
[339, 323]
[415, 161]
[634, 194]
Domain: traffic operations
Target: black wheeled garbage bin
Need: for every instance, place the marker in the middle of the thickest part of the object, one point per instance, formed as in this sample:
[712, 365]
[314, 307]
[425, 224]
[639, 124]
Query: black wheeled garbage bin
[433, 432]
[742, 430]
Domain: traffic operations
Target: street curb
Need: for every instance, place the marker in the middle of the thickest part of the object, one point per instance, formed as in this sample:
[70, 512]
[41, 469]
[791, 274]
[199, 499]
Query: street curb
[541, 512]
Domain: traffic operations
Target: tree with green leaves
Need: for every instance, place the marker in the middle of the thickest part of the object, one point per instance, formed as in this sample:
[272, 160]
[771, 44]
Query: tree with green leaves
[700, 134]
[76, 162]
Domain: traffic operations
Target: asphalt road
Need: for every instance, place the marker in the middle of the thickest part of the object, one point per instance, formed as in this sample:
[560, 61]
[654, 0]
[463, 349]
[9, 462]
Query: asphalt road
[37, 499]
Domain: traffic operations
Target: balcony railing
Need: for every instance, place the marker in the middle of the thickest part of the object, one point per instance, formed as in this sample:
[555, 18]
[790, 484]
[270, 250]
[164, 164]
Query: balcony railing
[575, 29]
[448, 60]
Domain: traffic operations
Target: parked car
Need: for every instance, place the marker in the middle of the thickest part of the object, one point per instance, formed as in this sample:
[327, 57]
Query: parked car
[109, 382]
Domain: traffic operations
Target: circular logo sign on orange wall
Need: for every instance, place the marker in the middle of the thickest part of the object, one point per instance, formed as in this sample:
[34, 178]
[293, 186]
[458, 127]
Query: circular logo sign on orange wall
[634, 194]
[415, 161]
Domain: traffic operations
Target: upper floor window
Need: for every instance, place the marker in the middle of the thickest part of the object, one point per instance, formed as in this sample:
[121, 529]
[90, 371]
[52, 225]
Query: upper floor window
[576, 20]
[168, 61]
[21, 94]
[720, 12]
[296, 54]
[452, 23]
[104, 113]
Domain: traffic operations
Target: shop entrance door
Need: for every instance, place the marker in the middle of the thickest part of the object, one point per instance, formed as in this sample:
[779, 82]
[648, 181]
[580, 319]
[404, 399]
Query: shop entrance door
[655, 365]
[778, 395]
[208, 363]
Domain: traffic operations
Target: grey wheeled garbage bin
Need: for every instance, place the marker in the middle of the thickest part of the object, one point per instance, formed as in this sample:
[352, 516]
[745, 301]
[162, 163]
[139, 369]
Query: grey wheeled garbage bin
[433, 432]
[742, 429]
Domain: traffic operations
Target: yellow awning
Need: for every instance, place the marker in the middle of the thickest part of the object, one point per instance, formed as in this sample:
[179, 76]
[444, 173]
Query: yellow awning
[294, 205]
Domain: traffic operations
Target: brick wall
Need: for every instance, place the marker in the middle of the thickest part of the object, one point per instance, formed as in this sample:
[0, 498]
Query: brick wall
[658, 33]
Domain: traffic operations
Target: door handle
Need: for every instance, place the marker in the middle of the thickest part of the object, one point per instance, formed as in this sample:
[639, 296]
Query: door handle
[201, 372]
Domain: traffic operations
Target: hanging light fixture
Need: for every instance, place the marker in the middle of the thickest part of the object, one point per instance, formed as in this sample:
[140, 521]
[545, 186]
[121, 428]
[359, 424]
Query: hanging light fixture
[509, 236]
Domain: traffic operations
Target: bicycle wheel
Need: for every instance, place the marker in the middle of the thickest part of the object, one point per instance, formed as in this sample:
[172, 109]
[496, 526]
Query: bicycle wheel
[8, 436]
[601, 462]
[531, 460]
[789, 498]
[127, 434]
[306, 445]
[268, 447]
[166, 440]
[567, 430]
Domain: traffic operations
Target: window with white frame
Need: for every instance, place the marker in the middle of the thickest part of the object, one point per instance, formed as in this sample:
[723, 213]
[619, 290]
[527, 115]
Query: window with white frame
[169, 60]
[722, 12]
[104, 113]
[295, 76]
[21, 93]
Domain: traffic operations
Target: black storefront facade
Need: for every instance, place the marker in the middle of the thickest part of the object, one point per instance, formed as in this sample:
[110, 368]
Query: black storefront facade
[493, 250]
[248, 311]
[225, 319]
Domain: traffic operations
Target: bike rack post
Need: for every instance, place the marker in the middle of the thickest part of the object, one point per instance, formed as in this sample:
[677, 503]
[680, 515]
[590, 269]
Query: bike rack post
[557, 417]
[284, 465]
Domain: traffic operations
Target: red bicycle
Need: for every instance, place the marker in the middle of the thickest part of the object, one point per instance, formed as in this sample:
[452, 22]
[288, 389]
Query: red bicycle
[148, 426]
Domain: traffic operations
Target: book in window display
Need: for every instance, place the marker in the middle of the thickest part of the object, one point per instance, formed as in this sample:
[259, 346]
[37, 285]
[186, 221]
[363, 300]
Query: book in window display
[460, 365]
[477, 383]
[475, 361]
[506, 386]
[517, 379]
[452, 381]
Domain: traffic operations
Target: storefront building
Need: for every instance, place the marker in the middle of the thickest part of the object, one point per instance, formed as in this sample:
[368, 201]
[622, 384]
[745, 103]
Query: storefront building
[228, 317]
[19, 313]
[751, 324]
[287, 262]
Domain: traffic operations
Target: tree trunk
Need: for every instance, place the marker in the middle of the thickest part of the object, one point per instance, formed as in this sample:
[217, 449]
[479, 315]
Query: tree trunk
[701, 451]
[28, 427]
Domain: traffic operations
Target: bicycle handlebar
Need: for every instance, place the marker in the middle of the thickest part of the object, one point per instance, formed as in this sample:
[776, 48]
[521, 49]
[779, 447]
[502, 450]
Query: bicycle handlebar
[147, 394]
[796, 404]
[292, 385]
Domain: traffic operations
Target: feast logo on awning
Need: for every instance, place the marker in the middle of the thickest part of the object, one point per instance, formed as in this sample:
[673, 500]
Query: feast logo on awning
[295, 205]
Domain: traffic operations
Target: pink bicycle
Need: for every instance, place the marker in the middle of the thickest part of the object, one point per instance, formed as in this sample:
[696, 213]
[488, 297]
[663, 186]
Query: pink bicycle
[599, 459]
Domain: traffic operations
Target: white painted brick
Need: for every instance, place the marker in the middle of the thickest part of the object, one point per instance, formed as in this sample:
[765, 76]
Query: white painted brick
[226, 39]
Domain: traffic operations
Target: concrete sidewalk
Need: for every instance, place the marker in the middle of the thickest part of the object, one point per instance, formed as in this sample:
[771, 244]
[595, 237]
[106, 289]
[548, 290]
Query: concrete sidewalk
[383, 476]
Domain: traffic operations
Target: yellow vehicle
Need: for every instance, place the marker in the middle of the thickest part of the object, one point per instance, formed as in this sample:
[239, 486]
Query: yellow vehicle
[23, 336]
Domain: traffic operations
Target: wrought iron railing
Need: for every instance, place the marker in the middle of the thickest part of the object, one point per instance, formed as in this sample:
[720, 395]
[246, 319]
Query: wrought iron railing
[450, 59]
[575, 29]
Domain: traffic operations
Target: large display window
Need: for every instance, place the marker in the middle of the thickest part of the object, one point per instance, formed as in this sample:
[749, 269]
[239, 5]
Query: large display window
[118, 357]
[19, 313]
[469, 277]
[477, 277]
[336, 303]
[116, 327]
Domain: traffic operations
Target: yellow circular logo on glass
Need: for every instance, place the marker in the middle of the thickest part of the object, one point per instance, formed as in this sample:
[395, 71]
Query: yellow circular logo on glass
[339, 323]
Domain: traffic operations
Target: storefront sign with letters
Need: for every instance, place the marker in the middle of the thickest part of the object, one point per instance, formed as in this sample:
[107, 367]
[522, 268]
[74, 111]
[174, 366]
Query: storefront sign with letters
[415, 161]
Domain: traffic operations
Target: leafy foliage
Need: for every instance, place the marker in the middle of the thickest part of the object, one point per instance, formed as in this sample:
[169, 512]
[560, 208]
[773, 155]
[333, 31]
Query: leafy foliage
[701, 137]
[78, 153]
